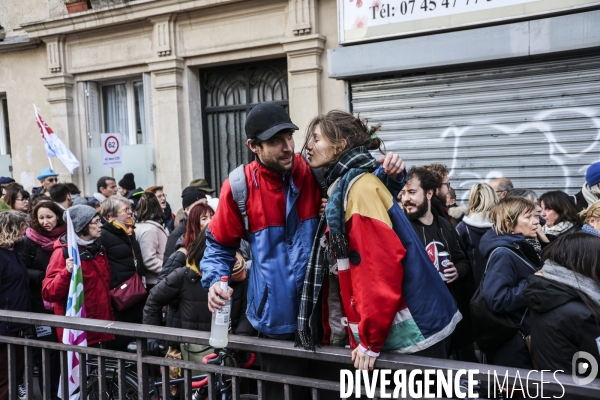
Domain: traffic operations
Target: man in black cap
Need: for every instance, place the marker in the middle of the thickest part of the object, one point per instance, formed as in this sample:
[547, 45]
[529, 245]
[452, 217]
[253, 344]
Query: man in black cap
[282, 205]
[126, 184]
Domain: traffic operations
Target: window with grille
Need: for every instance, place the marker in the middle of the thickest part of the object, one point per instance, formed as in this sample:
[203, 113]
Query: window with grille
[228, 94]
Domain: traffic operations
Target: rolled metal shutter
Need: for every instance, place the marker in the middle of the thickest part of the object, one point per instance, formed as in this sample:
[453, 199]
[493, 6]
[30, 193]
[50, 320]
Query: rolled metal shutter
[537, 123]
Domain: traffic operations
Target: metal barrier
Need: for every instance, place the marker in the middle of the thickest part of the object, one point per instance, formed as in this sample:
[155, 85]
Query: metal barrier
[118, 363]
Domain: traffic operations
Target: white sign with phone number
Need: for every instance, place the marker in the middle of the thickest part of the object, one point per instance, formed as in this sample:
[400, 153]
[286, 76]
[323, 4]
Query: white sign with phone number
[380, 12]
[367, 19]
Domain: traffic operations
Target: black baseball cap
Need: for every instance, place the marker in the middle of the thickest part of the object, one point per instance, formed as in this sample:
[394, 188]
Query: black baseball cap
[267, 119]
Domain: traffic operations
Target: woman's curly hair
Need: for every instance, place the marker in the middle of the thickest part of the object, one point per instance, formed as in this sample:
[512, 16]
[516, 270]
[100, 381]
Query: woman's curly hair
[11, 226]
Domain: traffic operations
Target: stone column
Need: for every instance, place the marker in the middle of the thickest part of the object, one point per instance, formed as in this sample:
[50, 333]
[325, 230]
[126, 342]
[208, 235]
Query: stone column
[304, 69]
[169, 125]
[168, 102]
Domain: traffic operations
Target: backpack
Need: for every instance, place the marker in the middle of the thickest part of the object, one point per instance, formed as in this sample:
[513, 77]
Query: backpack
[239, 190]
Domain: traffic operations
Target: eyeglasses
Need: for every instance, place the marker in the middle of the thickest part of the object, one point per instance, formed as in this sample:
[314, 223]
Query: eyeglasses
[22, 199]
[125, 210]
[52, 179]
[96, 222]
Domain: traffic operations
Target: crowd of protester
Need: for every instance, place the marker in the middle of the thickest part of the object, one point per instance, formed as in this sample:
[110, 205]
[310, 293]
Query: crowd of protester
[330, 247]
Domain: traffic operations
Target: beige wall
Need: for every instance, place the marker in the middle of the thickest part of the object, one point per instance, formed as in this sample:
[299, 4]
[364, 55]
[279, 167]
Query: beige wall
[173, 46]
[19, 80]
[15, 12]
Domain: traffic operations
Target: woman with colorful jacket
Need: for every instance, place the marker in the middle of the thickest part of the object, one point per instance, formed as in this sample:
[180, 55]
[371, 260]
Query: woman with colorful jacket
[94, 267]
[378, 284]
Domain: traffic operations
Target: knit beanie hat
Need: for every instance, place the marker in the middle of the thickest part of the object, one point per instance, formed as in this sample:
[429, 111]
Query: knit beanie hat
[592, 176]
[80, 201]
[190, 195]
[127, 182]
[81, 216]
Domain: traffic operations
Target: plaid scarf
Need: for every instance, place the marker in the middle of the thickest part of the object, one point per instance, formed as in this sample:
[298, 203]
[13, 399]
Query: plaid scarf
[355, 162]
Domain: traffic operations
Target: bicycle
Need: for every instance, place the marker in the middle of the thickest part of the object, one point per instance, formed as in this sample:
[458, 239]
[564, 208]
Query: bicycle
[224, 357]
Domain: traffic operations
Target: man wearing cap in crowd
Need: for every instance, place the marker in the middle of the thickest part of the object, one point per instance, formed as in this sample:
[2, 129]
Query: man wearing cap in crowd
[283, 205]
[202, 185]
[126, 184]
[47, 179]
[190, 196]
[590, 192]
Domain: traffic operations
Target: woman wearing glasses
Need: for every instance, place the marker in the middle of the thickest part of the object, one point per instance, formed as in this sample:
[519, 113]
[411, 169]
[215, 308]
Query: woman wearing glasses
[17, 199]
[124, 255]
[162, 199]
[94, 267]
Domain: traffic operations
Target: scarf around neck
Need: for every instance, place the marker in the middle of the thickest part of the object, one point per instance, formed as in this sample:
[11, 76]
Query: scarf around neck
[588, 229]
[575, 280]
[126, 227]
[340, 176]
[46, 240]
[558, 228]
[591, 194]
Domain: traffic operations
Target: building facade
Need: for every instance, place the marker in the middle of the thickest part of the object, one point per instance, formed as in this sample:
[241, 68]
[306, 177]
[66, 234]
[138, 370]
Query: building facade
[174, 78]
[488, 88]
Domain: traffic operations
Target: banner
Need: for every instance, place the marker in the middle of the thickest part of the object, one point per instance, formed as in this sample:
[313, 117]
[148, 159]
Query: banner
[54, 146]
[75, 308]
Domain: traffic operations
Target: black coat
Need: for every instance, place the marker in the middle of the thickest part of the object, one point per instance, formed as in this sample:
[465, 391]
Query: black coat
[175, 261]
[579, 201]
[463, 288]
[502, 290]
[184, 288]
[36, 260]
[172, 240]
[471, 238]
[120, 248]
[561, 324]
[14, 282]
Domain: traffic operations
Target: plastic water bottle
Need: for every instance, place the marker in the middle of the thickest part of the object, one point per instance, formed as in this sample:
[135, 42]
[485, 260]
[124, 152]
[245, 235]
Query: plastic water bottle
[219, 327]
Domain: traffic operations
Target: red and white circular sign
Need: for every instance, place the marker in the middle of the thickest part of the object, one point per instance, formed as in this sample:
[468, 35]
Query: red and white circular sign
[111, 144]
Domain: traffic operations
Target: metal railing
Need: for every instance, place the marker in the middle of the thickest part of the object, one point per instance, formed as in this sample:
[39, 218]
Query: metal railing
[120, 361]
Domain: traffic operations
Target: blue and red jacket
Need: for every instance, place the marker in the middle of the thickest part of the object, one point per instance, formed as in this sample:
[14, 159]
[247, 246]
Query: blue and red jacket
[283, 213]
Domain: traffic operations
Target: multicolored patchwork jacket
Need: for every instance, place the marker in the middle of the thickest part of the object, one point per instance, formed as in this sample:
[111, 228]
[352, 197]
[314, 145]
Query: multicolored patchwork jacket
[392, 298]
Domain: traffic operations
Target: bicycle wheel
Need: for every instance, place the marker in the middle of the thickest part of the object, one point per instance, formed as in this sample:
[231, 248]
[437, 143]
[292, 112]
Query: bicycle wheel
[112, 387]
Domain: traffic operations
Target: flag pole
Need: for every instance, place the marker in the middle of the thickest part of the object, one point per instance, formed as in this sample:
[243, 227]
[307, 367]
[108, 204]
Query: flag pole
[112, 172]
[50, 161]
